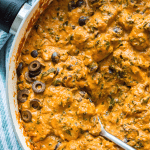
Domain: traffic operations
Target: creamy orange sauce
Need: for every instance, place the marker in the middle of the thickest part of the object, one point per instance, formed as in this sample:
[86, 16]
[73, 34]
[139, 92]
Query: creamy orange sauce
[102, 69]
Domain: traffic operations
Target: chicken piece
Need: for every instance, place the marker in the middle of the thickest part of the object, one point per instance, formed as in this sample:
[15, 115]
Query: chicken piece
[86, 107]
[80, 36]
[126, 20]
[103, 47]
[96, 21]
[139, 39]
[65, 127]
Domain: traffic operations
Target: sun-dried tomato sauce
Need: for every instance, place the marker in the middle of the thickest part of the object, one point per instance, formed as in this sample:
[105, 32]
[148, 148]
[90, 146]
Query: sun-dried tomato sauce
[83, 59]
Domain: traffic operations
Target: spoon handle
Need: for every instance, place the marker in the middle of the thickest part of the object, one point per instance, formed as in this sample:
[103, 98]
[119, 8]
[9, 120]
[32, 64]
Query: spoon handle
[117, 141]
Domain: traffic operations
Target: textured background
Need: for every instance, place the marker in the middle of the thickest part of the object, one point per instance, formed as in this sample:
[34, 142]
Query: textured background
[7, 136]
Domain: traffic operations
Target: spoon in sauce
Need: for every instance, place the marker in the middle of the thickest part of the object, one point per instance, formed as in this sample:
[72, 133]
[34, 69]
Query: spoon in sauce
[107, 135]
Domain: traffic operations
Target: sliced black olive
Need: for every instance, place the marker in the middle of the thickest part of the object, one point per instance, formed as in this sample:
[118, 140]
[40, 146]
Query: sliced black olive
[71, 5]
[22, 95]
[55, 57]
[82, 20]
[34, 66]
[26, 116]
[28, 78]
[35, 103]
[19, 68]
[79, 3]
[33, 74]
[57, 146]
[34, 53]
[38, 87]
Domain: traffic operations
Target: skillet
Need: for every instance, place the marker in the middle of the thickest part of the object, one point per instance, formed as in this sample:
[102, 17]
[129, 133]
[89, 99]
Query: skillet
[23, 22]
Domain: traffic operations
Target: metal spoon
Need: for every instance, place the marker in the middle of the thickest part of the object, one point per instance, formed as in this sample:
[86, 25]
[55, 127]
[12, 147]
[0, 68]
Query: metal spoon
[107, 135]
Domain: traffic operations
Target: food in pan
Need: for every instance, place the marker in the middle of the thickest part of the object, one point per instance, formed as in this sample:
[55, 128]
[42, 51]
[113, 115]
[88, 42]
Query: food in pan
[85, 58]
